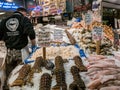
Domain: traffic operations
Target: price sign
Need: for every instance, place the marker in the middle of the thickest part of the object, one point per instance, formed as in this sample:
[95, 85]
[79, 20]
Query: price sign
[88, 18]
[44, 37]
[97, 33]
[116, 38]
[58, 35]
[119, 23]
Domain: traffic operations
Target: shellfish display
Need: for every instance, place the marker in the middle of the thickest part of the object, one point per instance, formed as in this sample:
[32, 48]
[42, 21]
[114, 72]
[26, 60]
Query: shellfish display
[39, 62]
[60, 74]
[79, 64]
[23, 73]
[45, 82]
[78, 83]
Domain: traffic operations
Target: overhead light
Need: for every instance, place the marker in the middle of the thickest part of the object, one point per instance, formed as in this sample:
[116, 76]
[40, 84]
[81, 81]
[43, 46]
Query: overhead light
[9, 0]
[1, 13]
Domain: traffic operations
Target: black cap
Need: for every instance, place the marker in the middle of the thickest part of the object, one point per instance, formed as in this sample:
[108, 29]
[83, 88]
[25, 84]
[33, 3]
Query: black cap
[21, 9]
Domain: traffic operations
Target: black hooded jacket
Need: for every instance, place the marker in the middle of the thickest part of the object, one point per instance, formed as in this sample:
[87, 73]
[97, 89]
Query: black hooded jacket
[15, 30]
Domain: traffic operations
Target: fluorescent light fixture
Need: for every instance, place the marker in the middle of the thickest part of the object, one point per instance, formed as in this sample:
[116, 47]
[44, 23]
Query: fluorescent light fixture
[9, 0]
[1, 13]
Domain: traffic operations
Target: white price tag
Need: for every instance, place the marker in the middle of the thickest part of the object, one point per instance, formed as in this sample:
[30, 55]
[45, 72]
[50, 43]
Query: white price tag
[44, 38]
[116, 38]
[88, 18]
[58, 35]
[97, 33]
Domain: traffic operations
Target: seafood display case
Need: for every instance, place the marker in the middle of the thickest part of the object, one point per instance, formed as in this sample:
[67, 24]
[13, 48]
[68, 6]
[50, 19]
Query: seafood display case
[65, 68]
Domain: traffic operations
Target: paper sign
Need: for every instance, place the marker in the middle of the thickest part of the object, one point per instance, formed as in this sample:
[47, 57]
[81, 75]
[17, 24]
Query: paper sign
[58, 35]
[97, 33]
[116, 23]
[116, 38]
[119, 23]
[88, 18]
[44, 38]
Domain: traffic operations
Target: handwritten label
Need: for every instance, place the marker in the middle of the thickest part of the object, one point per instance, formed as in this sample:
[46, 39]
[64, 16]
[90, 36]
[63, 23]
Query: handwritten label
[97, 33]
[58, 35]
[44, 38]
[119, 23]
[88, 18]
[116, 38]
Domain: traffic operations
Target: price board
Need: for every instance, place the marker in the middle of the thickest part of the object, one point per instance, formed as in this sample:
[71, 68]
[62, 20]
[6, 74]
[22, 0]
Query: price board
[44, 37]
[116, 38]
[58, 35]
[119, 23]
[97, 33]
[88, 18]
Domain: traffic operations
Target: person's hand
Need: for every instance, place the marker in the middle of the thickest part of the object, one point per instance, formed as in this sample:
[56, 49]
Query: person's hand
[33, 48]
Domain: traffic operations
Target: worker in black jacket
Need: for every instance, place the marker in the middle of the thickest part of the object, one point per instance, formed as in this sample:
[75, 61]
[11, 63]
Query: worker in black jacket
[14, 31]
